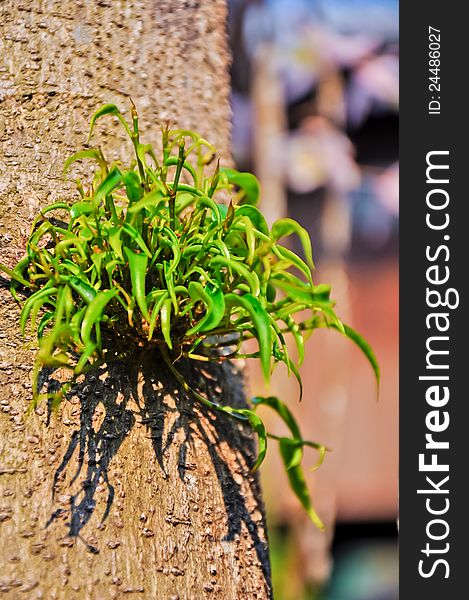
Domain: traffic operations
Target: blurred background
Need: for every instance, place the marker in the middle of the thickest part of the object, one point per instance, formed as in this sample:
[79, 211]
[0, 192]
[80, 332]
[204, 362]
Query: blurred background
[315, 116]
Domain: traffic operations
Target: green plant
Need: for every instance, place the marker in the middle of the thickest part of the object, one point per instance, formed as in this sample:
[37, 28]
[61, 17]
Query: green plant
[148, 257]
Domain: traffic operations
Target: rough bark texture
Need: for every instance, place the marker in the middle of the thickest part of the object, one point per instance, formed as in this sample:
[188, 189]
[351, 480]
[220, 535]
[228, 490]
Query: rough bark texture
[132, 489]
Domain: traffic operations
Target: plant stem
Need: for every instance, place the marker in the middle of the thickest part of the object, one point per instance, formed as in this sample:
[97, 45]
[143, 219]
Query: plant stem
[186, 387]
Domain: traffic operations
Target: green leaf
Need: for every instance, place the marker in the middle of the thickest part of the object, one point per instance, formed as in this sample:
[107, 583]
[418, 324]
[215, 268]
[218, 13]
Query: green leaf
[46, 318]
[42, 295]
[249, 276]
[294, 329]
[254, 420]
[247, 182]
[84, 289]
[293, 454]
[364, 347]
[165, 316]
[92, 153]
[298, 483]
[258, 426]
[173, 245]
[254, 215]
[71, 267]
[309, 299]
[107, 186]
[137, 238]
[88, 351]
[296, 373]
[322, 292]
[143, 150]
[285, 227]
[183, 201]
[288, 256]
[214, 301]
[138, 271]
[75, 325]
[262, 330]
[63, 305]
[155, 311]
[282, 410]
[114, 237]
[108, 109]
[14, 275]
[270, 293]
[133, 187]
[84, 207]
[33, 241]
[94, 313]
[55, 340]
[169, 280]
[150, 200]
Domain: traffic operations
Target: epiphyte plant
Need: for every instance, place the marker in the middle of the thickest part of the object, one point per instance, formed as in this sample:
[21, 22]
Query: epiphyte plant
[151, 256]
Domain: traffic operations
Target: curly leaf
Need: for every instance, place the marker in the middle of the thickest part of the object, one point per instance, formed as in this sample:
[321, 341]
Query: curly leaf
[92, 153]
[254, 215]
[108, 109]
[285, 227]
[249, 276]
[282, 410]
[363, 345]
[258, 426]
[214, 301]
[247, 182]
[42, 295]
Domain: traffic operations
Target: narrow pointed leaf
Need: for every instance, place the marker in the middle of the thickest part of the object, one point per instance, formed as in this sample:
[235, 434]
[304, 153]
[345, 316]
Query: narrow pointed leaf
[261, 322]
[84, 207]
[165, 316]
[364, 347]
[14, 275]
[84, 289]
[111, 182]
[138, 271]
[259, 428]
[298, 485]
[155, 311]
[94, 313]
[137, 238]
[43, 295]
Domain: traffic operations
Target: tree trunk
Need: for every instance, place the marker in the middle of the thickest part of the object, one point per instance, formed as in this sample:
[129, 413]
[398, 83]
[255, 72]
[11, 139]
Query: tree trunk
[133, 488]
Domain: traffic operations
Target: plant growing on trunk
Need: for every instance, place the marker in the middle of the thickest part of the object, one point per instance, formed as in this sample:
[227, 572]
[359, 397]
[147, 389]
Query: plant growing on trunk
[149, 257]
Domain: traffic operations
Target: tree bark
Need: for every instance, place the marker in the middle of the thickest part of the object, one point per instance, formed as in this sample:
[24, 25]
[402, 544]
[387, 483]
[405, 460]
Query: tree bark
[133, 489]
